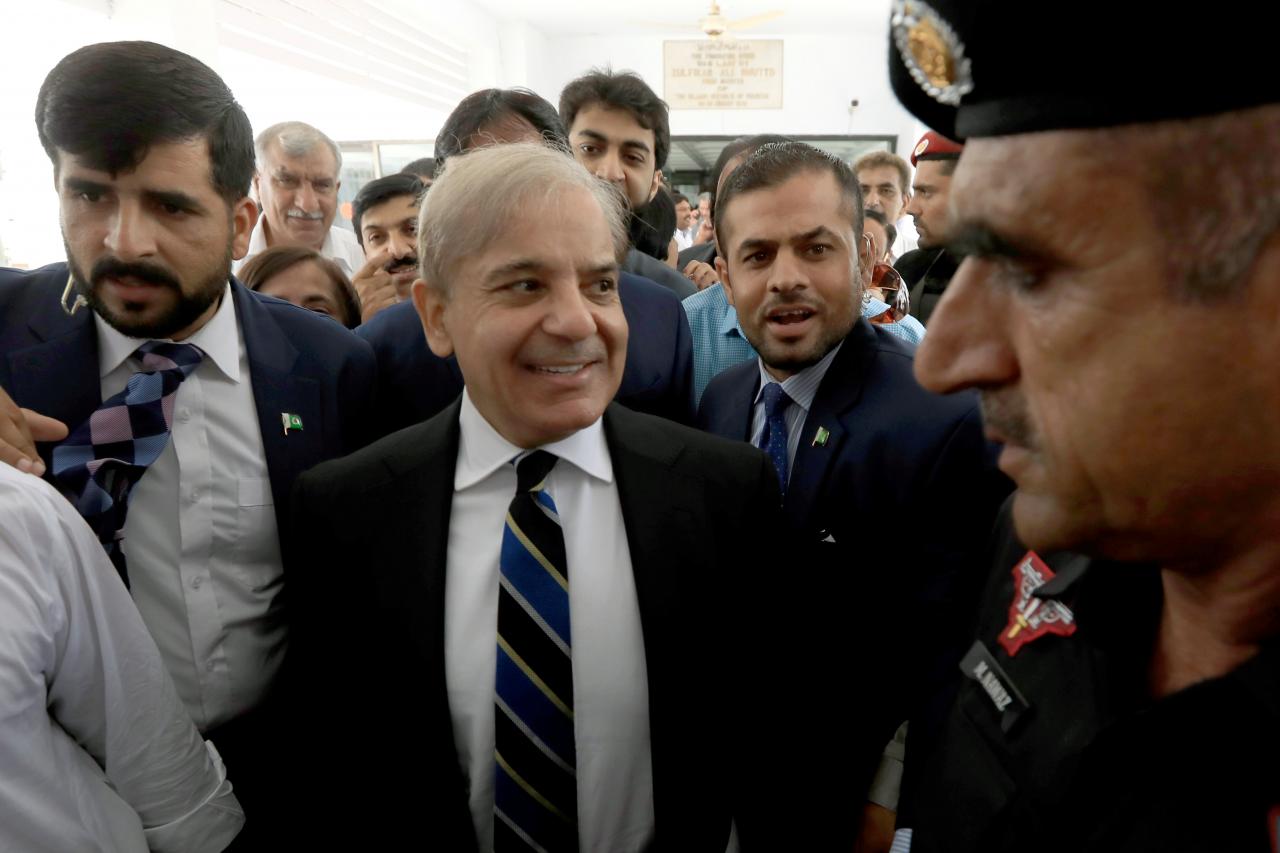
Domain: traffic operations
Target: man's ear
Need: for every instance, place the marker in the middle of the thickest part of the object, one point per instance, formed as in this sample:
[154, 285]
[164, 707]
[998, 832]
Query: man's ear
[244, 215]
[430, 303]
[657, 182]
[722, 269]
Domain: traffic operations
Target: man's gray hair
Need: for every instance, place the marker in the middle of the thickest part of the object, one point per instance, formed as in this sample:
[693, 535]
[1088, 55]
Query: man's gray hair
[474, 200]
[296, 139]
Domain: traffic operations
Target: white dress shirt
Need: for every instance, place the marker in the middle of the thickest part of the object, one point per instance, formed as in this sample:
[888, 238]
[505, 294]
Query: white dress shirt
[96, 751]
[907, 240]
[610, 684]
[684, 239]
[801, 387]
[340, 246]
[200, 537]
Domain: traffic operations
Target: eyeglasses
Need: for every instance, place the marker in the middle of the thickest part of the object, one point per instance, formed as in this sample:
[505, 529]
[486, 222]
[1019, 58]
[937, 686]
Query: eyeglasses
[895, 293]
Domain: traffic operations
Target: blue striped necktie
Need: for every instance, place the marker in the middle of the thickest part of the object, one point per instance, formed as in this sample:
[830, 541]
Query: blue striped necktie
[535, 781]
[99, 463]
[774, 440]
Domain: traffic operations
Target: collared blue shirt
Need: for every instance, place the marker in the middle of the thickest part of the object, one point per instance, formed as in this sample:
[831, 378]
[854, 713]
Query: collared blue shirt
[719, 343]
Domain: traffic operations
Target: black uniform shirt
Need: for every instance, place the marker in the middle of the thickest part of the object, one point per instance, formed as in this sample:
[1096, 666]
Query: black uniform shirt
[1059, 746]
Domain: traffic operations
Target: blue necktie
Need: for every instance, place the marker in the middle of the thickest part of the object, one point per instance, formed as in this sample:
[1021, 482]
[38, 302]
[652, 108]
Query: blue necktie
[535, 775]
[774, 439]
[99, 463]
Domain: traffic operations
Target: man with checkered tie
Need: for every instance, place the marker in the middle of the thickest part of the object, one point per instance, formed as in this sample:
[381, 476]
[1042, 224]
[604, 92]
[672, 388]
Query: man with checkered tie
[568, 644]
[175, 380]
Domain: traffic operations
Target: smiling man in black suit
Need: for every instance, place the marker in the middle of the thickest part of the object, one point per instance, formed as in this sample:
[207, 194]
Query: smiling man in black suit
[553, 585]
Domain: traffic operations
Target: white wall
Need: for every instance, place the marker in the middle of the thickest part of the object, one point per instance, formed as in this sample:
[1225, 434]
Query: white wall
[821, 75]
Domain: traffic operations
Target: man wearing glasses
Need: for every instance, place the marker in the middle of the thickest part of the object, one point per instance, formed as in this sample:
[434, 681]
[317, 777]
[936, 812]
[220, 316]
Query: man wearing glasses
[297, 185]
[889, 490]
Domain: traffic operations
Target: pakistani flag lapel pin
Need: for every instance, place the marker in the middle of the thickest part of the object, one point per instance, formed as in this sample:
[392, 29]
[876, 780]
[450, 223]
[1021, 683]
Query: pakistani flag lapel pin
[291, 422]
[820, 437]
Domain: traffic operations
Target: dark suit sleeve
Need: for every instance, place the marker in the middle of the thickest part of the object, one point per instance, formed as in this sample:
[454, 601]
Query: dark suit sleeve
[682, 398]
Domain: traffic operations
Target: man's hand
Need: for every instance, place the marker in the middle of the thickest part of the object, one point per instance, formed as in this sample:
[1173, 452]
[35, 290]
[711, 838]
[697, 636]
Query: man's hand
[706, 232]
[20, 429]
[703, 275]
[876, 833]
[376, 286]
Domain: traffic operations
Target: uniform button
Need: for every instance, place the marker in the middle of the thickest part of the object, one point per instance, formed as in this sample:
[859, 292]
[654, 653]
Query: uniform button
[196, 582]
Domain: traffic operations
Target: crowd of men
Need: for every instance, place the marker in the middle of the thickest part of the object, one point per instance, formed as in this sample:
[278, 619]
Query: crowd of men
[546, 510]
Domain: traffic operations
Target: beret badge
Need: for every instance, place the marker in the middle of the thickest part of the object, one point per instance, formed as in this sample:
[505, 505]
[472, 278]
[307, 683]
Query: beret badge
[931, 51]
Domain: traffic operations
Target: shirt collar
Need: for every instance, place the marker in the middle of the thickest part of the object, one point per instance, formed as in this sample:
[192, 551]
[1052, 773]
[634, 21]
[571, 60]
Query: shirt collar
[729, 320]
[482, 450]
[219, 339]
[801, 387]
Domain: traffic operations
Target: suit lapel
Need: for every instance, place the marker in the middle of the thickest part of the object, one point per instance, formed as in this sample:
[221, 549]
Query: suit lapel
[278, 391]
[732, 419]
[58, 377]
[839, 391]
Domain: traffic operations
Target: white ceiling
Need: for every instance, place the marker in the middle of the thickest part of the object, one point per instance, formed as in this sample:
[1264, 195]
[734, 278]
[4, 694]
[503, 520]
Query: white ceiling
[681, 17]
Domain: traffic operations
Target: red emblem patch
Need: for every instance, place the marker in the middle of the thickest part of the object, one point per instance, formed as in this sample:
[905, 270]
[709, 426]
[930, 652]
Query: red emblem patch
[1031, 617]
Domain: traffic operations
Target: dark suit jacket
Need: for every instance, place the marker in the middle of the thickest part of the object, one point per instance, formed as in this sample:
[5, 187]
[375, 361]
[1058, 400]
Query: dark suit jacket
[640, 264]
[414, 384]
[894, 510]
[370, 656]
[299, 363]
[705, 252]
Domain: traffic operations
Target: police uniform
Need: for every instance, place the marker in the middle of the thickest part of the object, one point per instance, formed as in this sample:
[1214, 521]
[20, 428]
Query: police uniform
[1054, 744]
[1054, 741]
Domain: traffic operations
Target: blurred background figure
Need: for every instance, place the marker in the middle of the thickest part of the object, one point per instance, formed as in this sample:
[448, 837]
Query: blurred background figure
[307, 279]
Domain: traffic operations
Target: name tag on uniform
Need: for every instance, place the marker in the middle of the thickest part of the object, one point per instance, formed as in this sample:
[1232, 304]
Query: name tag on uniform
[980, 666]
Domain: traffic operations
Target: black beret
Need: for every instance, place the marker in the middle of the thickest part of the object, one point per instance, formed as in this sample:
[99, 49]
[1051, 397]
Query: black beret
[972, 68]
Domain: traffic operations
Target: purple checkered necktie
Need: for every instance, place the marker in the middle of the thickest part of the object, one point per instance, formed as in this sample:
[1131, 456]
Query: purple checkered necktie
[99, 463]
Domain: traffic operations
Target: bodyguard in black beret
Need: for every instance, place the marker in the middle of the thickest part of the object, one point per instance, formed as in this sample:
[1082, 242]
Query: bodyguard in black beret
[1117, 206]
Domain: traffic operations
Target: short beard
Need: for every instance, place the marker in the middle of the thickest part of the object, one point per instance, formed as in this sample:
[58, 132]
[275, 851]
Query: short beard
[187, 309]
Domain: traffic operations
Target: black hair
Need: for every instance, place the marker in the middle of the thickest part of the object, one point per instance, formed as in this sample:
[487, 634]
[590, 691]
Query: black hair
[773, 164]
[622, 90]
[653, 225]
[109, 103]
[681, 197]
[482, 109]
[269, 263]
[421, 166]
[743, 144]
[379, 190]
[890, 233]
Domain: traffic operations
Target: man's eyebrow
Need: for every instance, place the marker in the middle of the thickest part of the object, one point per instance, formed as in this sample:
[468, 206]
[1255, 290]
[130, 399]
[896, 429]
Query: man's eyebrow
[84, 185]
[609, 267]
[518, 265]
[981, 240]
[175, 198]
[597, 136]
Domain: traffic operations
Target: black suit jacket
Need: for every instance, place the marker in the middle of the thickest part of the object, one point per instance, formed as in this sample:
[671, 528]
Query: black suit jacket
[894, 509]
[370, 660]
[414, 383]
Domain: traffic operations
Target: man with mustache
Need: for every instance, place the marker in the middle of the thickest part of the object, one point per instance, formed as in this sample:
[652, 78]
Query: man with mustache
[1118, 307]
[889, 490]
[566, 608]
[928, 269]
[385, 216]
[297, 183]
[192, 402]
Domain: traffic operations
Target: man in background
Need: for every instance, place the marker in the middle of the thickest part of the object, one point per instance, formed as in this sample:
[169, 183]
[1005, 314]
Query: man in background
[385, 216]
[928, 269]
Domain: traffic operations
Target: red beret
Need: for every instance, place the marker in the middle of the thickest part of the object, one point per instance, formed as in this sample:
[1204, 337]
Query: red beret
[935, 146]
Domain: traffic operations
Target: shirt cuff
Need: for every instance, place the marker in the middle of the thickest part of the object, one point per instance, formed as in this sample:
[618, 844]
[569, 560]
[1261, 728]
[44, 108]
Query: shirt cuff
[210, 826]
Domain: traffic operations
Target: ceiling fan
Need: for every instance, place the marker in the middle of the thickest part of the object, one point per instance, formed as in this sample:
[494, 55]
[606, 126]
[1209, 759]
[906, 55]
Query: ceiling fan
[716, 25]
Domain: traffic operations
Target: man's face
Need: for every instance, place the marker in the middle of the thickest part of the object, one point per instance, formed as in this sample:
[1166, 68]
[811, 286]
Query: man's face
[151, 249]
[928, 202]
[1138, 424]
[307, 286]
[535, 321]
[684, 214]
[299, 195]
[614, 147]
[882, 191]
[390, 229]
[791, 269]
[704, 209]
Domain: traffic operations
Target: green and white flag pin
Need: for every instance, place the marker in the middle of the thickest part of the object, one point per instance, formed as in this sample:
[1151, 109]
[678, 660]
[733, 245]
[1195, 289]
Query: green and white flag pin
[290, 421]
[820, 437]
